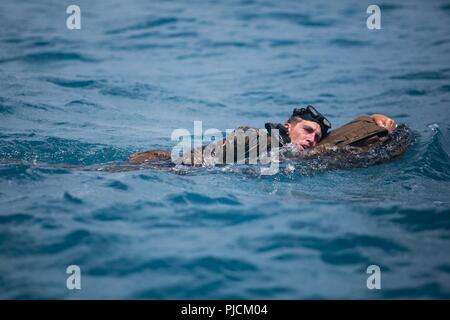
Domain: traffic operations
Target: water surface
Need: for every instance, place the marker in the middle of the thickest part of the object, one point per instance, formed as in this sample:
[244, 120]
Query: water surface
[137, 70]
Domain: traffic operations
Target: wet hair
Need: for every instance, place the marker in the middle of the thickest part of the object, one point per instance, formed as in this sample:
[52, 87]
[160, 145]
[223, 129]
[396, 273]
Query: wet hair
[294, 119]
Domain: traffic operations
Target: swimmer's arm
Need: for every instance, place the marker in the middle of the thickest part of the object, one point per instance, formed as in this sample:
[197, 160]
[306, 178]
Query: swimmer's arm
[384, 121]
[146, 156]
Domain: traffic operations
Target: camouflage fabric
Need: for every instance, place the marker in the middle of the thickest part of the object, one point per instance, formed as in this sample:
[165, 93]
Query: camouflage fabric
[361, 134]
[244, 145]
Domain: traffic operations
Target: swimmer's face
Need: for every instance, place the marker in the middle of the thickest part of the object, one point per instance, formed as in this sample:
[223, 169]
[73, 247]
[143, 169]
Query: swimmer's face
[305, 134]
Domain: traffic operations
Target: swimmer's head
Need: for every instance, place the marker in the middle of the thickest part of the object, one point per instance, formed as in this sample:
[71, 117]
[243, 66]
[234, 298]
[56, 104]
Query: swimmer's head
[306, 127]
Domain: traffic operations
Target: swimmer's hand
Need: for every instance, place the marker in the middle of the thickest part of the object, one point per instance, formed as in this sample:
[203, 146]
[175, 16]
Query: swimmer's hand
[384, 122]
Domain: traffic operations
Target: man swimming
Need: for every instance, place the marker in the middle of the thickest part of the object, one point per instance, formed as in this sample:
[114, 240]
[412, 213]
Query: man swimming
[306, 129]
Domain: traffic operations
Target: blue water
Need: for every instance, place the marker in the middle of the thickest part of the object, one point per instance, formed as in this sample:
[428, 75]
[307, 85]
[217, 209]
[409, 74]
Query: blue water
[137, 70]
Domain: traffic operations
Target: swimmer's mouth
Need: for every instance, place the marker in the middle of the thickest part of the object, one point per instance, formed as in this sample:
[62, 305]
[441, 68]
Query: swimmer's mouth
[302, 147]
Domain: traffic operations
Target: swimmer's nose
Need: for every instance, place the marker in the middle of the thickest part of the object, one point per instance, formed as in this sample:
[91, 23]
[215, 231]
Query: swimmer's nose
[310, 142]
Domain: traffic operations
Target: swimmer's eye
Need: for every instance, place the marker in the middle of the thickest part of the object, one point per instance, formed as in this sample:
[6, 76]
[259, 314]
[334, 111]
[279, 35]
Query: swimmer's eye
[317, 138]
[310, 130]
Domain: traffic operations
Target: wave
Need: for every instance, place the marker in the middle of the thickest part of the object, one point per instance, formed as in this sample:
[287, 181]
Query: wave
[71, 83]
[150, 23]
[345, 43]
[415, 219]
[53, 150]
[48, 57]
[301, 19]
[423, 75]
[434, 161]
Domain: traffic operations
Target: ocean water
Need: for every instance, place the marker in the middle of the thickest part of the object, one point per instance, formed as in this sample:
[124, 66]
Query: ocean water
[71, 100]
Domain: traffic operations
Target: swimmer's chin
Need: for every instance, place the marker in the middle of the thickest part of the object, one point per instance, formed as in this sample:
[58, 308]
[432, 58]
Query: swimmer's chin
[295, 148]
[298, 151]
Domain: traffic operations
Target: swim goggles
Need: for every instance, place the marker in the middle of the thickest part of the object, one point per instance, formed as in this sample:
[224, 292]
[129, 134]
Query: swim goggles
[310, 113]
